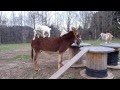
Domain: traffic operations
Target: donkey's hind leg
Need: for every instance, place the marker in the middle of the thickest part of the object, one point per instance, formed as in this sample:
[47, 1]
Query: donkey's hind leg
[35, 62]
[60, 60]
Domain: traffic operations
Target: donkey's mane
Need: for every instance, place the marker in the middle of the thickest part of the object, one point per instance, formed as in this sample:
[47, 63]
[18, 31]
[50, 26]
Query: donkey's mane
[67, 35]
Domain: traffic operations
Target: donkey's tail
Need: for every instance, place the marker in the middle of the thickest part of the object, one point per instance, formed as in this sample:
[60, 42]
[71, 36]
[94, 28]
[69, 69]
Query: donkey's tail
[32, 53]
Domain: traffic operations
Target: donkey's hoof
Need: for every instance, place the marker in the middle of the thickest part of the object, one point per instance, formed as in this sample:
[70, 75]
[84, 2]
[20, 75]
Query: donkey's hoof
[37, 69]
[59, 66]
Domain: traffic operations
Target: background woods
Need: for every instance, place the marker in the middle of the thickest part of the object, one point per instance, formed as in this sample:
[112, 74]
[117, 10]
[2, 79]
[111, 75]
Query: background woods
[17, 27]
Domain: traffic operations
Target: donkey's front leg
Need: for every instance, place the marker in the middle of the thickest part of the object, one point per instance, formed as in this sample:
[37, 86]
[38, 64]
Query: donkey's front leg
[60, 60]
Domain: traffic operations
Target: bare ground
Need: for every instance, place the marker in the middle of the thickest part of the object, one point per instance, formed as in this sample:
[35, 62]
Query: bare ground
[23, 69]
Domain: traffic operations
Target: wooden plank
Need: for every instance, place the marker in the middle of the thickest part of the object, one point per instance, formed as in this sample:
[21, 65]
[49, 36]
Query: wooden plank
[68, 64]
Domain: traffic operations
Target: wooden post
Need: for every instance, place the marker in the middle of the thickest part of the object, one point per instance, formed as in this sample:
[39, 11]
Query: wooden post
[96, 63]
[113, 57]
[68, 64]
[73, 50]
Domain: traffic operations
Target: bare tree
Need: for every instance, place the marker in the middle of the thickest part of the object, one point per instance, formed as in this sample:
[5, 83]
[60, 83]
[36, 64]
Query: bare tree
[0, 24]
[13, 18]
[85, 18]
[58, 19]
[32, 18]
[68, 19]
[20, 19]
[72, 19]
[46, 17]
[0, 17]
[4, 21]
[104, 21]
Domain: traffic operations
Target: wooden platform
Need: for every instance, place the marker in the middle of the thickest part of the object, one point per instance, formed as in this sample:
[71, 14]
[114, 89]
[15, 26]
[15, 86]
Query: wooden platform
[81, 45]
[111, 45]
[116, 46]
[83, 74]
[98, 49]
[114, 67]
[97, 61]
[78, 65]
[73, 50]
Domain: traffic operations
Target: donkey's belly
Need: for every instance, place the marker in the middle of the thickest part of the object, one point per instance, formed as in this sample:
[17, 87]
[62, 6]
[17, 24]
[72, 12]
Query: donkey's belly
[50, 52]
[50, 49]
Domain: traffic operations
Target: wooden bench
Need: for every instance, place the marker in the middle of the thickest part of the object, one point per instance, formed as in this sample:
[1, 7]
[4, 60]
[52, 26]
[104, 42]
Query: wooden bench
[96, 63]
[73, 50]
[113, 57]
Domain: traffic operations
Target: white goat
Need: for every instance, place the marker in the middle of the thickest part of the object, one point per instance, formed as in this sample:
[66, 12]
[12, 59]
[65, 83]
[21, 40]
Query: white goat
[41, 30]
[106, 36]
[63, 31]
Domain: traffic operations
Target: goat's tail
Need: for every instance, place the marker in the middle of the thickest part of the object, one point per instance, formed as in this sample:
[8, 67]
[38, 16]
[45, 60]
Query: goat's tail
[98, 38]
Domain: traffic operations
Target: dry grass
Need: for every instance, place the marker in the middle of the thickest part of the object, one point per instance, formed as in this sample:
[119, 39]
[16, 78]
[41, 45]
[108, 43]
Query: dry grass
[15, 63]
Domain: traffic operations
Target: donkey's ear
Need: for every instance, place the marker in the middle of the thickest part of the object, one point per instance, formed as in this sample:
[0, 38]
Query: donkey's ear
[73, 28]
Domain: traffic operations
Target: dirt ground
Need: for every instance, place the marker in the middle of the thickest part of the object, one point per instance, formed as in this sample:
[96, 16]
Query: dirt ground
[23, 69]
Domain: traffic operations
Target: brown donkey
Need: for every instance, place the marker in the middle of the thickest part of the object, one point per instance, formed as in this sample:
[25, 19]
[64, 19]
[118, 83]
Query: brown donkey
[54, 44]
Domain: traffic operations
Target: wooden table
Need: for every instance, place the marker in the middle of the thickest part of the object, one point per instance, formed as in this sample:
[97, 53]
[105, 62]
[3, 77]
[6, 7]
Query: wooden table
[96, 63]
[73, 50]
[113, 57]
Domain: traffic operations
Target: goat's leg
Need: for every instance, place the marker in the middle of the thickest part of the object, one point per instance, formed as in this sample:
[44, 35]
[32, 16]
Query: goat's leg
[38, 36]
[107, 40]
[60, 61]
[49, 34]
[34, 35]
[43, 34]
[110, 40]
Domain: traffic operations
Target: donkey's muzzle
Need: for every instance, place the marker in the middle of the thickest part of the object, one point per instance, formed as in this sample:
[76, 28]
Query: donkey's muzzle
[78, 41]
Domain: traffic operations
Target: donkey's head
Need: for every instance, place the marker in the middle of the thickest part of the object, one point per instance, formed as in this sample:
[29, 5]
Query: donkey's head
[77, 35]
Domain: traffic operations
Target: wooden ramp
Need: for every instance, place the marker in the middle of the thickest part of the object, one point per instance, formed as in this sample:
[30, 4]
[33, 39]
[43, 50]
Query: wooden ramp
[68, 64]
